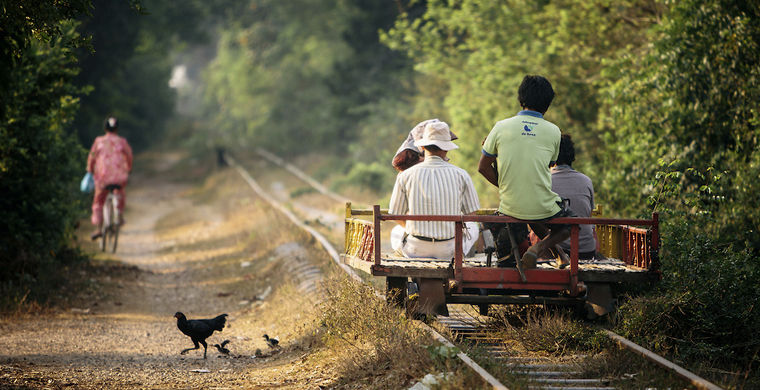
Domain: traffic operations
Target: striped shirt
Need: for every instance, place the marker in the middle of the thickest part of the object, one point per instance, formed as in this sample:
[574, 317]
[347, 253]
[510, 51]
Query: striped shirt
[433, 187]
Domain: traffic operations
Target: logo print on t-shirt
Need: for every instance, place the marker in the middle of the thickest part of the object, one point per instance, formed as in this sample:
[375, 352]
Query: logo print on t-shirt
[528, 128]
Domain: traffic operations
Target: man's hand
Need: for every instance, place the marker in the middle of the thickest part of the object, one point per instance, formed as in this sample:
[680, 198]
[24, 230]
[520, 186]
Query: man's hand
[487, 168]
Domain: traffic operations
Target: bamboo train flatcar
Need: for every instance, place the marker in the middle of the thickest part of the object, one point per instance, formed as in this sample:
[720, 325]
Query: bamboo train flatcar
[630, 245]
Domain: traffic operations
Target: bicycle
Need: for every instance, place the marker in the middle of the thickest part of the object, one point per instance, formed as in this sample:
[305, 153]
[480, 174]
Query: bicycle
[111, 220]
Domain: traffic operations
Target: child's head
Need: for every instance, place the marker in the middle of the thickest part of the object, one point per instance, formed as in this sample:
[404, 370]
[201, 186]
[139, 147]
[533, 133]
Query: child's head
[566, 150]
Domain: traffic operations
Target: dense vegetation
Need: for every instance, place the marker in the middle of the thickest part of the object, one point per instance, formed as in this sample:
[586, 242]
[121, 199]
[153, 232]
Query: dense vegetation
[660, 96]
[38, 158]
[65, 66]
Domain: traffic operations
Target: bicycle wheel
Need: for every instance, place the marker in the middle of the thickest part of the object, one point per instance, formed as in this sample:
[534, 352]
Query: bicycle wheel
[103, 237]
[107, 222]
[114, 229]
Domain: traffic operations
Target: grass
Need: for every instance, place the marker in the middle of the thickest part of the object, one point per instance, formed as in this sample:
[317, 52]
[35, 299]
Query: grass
[371, 338]
[628, 370]
[550, 330]
[376, 346]
[32, 294]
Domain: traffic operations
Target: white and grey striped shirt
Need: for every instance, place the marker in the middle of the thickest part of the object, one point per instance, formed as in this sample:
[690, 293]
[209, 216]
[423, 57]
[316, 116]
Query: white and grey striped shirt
[433, 187]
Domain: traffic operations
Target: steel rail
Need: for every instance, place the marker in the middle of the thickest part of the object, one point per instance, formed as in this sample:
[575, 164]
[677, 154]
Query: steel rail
[301, 175]
[466, 359]
[695, 380]
[292, 217]
[327, 246]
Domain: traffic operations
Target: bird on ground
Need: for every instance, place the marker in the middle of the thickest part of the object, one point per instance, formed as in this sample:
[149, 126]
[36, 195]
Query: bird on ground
[221, 348]
[199, 330]
[272, 342]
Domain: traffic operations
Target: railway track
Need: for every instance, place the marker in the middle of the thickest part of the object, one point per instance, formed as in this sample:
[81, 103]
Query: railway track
[466, 327]
[535, 372]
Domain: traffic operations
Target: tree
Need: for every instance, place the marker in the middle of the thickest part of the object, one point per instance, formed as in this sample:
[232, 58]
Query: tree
[128, 65]
[481, 50]
[39, 161]
[692, 100]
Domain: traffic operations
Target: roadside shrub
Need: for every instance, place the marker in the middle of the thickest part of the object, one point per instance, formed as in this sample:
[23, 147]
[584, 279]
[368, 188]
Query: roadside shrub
[706, 307]
[373, 335]
[375, 176]
[40, 164]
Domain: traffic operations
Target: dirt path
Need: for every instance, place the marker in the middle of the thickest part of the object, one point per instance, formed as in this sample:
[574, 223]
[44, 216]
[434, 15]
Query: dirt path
[203, 248]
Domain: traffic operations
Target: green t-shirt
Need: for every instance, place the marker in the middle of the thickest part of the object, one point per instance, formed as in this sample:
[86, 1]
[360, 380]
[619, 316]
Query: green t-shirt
[524, 145]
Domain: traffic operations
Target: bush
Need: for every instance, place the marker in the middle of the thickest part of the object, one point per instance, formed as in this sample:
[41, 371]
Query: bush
[40, 164]
[375, 176]
[706, 308]
[374, 335]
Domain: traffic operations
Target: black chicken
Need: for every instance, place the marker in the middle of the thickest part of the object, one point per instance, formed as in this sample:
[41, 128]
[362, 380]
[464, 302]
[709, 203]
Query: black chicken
[221, 348]
[199, 330]
[272, 342]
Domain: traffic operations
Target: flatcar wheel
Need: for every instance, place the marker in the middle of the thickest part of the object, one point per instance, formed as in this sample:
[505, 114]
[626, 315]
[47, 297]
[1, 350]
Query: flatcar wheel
[599, 300]
[395, 291]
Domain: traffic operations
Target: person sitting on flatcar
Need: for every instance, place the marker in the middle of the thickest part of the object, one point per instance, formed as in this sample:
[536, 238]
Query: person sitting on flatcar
[431, 187]
[517, 155]
[408, 154]
[578, 189]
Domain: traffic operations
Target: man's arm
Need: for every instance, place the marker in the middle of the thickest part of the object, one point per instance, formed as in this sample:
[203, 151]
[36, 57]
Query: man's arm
[488, 170]
[398, 203]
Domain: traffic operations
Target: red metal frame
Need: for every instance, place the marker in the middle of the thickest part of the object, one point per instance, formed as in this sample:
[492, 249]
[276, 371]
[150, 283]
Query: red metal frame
[633, 247]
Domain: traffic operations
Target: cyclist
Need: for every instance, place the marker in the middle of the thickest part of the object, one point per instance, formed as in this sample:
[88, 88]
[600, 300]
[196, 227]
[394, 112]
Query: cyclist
[109, 161]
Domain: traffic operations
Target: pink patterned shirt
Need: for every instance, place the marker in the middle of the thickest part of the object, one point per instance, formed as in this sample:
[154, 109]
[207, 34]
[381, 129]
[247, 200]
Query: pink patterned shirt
[110, 160]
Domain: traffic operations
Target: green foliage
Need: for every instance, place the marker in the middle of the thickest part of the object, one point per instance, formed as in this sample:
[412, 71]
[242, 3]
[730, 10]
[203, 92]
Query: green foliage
[40, 164]
[24, 21]
[481, 50]
[309, 75]
[269, 77]
[706, 306]
[376, 177]
[690, 100]
[127, 69]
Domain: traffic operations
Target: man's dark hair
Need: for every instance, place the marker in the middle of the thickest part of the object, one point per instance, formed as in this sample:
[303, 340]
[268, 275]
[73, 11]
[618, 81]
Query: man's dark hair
[566, 150]
[535, 93]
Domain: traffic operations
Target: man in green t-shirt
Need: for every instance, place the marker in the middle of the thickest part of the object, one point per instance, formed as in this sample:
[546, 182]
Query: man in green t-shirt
[523, 148]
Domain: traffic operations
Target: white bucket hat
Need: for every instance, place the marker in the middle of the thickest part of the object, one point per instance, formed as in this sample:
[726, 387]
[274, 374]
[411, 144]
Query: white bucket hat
[416, 134]
[438, 134]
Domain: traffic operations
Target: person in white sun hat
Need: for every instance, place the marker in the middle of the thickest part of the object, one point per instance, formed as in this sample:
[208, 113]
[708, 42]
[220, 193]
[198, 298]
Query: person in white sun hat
[432, 187]
[408, 154]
